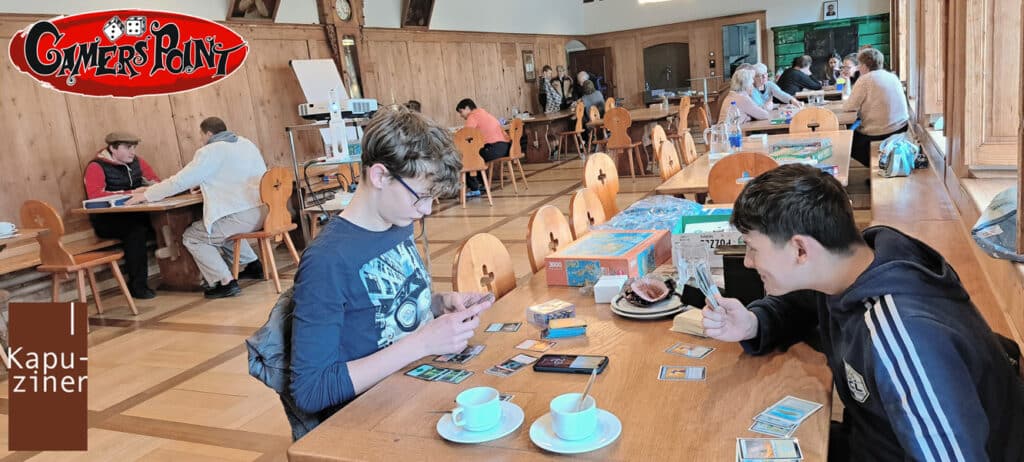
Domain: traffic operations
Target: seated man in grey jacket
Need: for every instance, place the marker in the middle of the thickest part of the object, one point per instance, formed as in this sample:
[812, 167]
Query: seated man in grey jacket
[228, 169]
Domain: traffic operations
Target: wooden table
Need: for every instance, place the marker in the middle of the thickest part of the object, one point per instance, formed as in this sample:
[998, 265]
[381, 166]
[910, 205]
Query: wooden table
[661, 420]
[170, 217]
[846, 118]
[539, 127]
[639, 117]
[693, 178]
[21, 236]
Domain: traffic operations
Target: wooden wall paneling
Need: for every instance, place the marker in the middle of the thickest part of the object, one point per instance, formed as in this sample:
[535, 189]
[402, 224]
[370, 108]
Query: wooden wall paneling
[230, 99]
[956, 89]
[542, 56]
[461, 79]
[531, 90]
[425, 60]
[1005, 98]
[92, 118]
[155, 124]
[393, 75]
[275, 96]
[932, 48]
[512, 81]
[40, 155]
[991, 111]
[489, 94]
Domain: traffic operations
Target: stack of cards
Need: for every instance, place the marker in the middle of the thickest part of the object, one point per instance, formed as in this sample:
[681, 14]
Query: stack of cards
[689, 322]
[768, 449]
[539, 346]
[565, 328]
[467, 354]
[511, 366]
[783, 417]
[702, 276]
[504, 327]
[439, 374]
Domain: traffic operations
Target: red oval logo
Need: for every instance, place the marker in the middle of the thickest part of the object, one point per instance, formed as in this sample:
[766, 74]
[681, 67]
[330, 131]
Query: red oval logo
[127, 53]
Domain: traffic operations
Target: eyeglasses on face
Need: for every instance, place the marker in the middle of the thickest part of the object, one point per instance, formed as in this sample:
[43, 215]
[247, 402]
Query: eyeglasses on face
[420, 198]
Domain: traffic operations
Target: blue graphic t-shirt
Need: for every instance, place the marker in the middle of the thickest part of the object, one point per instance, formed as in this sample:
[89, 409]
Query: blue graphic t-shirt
[356, 291]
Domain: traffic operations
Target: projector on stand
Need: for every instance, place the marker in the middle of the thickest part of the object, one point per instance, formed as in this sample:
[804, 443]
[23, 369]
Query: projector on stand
[352, 108]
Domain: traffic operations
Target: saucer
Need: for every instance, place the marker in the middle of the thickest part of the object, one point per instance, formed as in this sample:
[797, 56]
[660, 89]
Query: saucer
[660, 315]
[608, 429]
[511, 419]
[621, 305]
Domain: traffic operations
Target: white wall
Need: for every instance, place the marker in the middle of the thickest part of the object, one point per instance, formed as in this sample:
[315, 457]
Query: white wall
[613, 15]
[290, 11]
[562, 17]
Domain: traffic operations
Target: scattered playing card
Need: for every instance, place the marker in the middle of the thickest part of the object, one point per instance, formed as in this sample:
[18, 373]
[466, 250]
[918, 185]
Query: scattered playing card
[772, 429]
[769, 449]
[467, 354]
[511, 366]
[788, 411]
[454, 376]
[539, 346]
[689, 350]
[682, 373]
[439, 374]
[506, 396]
[504, 327]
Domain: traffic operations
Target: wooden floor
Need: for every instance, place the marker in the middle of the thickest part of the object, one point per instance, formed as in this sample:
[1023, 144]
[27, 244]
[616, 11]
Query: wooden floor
[172, 385]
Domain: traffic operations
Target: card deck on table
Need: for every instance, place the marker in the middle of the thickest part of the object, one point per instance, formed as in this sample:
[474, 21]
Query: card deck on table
[438, 374]
[504, 327]
[781, 431]
[768, 449]
[788, 411]
[511, 366]
[689, 350]
[539, 346]
[682, 373]
[467, 354]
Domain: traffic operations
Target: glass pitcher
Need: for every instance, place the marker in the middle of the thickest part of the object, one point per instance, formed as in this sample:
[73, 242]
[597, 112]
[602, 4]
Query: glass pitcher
[716, 137]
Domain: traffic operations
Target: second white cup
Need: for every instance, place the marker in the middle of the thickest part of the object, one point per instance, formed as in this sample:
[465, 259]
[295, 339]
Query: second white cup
[569, 423]
[479, 409]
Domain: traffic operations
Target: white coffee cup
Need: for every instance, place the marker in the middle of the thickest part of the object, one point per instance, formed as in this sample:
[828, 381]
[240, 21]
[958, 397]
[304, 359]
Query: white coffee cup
[7, 227]
[569, 423]
[479, 409]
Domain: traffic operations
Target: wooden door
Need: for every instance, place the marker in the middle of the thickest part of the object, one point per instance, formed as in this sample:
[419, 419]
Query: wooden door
[598, 63]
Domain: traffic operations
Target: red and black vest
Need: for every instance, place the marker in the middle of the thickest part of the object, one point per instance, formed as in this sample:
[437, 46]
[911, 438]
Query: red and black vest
[125, 177]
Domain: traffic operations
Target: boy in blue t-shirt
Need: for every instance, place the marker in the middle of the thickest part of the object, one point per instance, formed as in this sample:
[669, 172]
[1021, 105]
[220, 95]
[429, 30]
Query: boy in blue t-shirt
[363, 305]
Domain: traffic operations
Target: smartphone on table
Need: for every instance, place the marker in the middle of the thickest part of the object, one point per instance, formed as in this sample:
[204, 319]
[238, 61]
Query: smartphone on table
[572, 364]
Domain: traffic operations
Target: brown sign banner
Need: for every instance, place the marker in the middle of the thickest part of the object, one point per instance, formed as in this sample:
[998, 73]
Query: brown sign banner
[48, 365]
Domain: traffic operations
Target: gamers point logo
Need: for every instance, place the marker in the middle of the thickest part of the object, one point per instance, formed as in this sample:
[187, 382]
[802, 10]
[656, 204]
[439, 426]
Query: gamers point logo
[127, 53]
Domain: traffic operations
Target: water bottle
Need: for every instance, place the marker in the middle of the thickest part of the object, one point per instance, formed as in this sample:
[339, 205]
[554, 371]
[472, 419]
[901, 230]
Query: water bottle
[733, 121]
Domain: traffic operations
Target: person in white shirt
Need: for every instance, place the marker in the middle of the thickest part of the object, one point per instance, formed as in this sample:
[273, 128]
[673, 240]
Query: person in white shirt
[228, 170]
[879, 99]
[741, 89]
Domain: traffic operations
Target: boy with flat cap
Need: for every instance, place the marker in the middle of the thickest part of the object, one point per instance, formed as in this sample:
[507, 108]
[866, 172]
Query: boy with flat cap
[117, 169]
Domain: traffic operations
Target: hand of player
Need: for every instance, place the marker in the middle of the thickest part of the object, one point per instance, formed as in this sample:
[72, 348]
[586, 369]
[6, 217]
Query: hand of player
[140, 190]
[137, 198]
[733, 323]
[450, 332]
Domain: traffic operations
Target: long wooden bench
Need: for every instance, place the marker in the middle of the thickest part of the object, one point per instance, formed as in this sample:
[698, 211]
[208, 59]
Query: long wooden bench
[27, 255]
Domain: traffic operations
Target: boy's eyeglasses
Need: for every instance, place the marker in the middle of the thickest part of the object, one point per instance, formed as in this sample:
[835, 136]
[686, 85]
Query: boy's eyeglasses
[419, 198]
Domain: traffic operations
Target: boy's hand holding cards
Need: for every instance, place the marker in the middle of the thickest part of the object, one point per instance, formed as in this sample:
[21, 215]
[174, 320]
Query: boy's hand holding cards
[439, 374]
[702, 275]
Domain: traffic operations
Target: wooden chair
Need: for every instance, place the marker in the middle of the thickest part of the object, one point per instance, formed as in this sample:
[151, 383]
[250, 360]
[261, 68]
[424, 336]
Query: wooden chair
[275, 191]
[617, 120]
[483, 264]
[729, 175]
[608, 104]
[810, 119]
[585, 211]
[601, 176]
[515, 155]
[469, 141]
[665, 152]
[592, 141]
[576, 134]
[682, 124]
[547, 231]
[703, 122]
[689, 152]
[55, 259]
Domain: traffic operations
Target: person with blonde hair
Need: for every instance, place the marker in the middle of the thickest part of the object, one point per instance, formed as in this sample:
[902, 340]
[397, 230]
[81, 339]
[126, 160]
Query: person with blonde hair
[741, 88]
[765, 89]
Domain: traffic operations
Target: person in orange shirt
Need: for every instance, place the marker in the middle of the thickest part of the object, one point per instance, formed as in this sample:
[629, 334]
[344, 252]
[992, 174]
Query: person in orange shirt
[496, 142]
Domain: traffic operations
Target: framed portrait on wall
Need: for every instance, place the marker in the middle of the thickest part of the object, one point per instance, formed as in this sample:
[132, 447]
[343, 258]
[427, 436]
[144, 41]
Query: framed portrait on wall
[830, 10]
[252, 10]
[529, 67]
[416, 14]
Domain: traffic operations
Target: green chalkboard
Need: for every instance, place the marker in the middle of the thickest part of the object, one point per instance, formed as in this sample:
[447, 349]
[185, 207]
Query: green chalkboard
[823, 37]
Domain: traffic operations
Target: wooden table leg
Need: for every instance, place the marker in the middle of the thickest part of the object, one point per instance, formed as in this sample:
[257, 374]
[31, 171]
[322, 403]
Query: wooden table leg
[178, 271]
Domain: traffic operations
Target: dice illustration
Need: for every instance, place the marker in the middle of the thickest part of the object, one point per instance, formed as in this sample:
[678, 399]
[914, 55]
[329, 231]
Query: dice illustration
[113, 29]
[135, 26]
